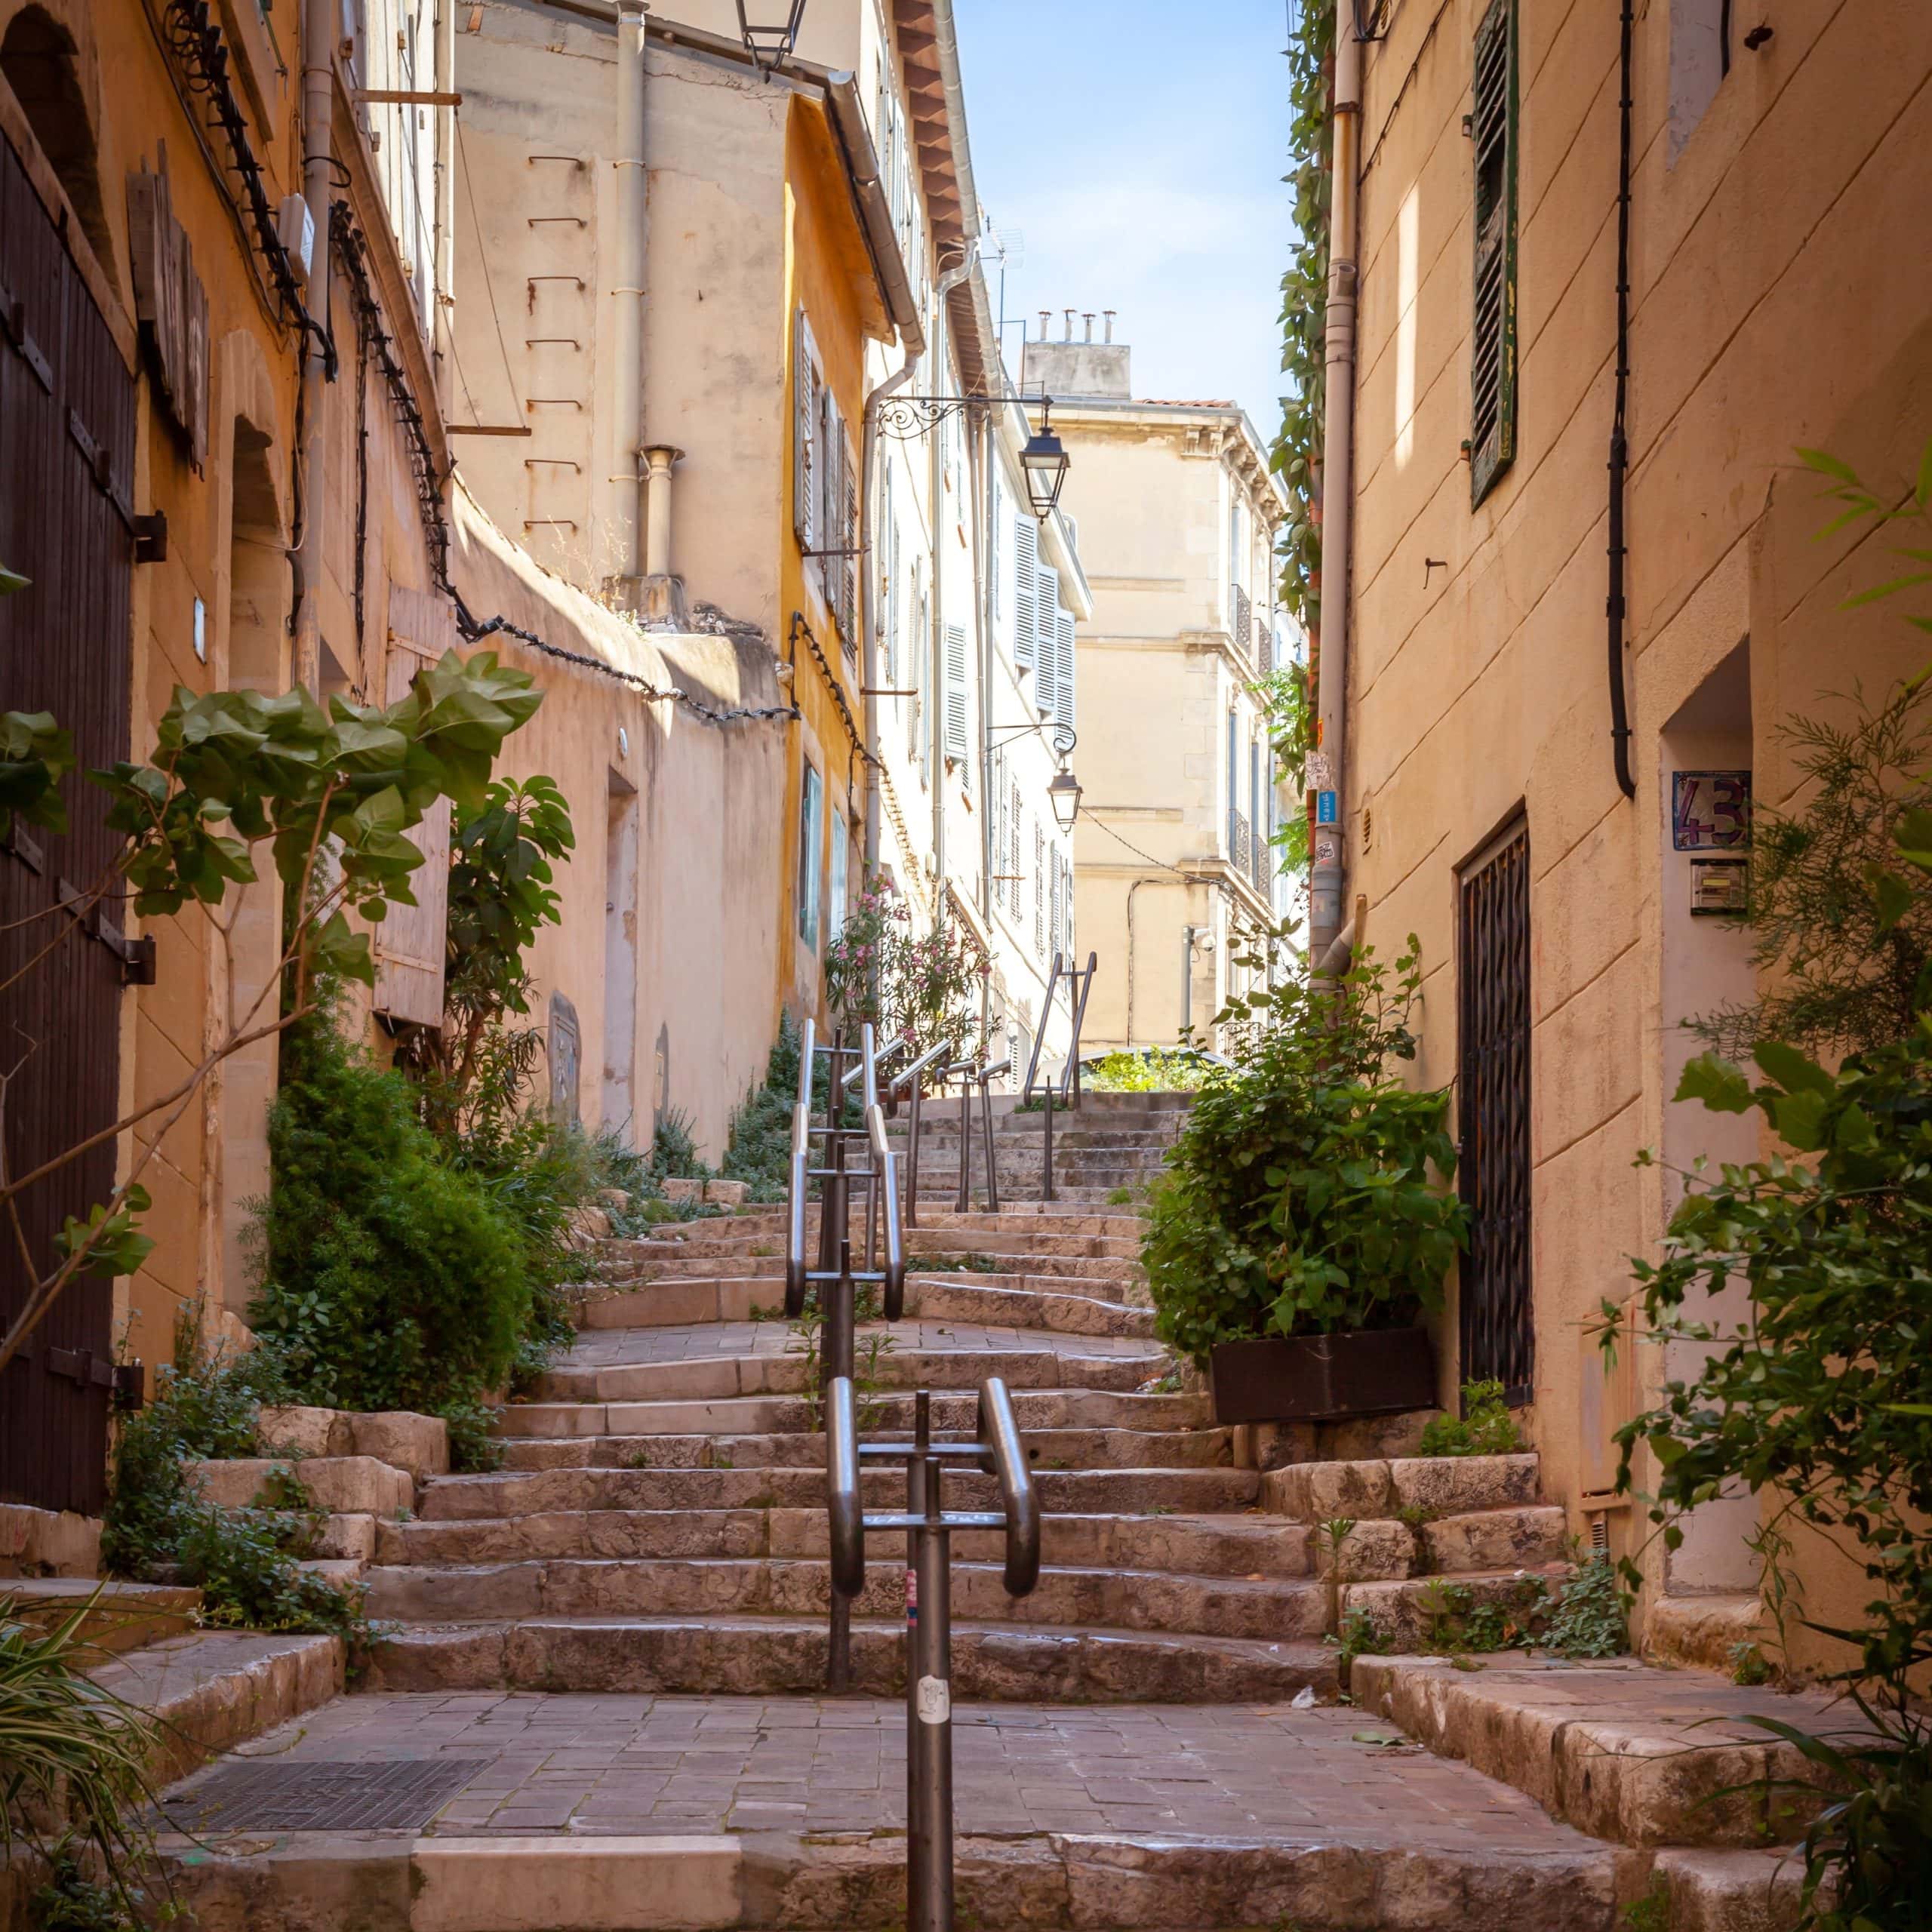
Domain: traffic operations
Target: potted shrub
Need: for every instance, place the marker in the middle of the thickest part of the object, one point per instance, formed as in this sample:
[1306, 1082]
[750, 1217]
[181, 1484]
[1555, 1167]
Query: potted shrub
[1302, 1230]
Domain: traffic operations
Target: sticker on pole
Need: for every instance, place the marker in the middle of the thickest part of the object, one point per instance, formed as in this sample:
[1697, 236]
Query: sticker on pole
[934, 1700]
[1325, 812]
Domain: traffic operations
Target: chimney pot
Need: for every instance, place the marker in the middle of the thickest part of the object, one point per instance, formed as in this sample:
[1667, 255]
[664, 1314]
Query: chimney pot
[1069, 313]
[1110, 314]
[1044, 314]
[1087, 317]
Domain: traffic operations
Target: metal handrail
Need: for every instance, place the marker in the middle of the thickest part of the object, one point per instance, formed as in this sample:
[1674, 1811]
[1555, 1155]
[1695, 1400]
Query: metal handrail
[928, 1526]
[1069, 1075]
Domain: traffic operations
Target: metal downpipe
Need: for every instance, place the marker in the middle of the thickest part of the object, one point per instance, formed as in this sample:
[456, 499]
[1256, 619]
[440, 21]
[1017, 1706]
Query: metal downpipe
[1328, 873]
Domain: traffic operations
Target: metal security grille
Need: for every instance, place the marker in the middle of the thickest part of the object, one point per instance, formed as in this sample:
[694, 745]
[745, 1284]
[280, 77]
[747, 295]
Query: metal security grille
[1498, 1341]
[66, 480]
[248, 1795]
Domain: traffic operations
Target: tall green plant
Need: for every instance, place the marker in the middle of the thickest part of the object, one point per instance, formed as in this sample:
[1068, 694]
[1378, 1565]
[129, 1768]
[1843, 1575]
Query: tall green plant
[1302, 1197]
[73, 1763]
[1296, 456]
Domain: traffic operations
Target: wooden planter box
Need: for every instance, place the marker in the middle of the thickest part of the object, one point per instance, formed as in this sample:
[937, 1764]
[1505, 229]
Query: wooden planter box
[1323, 1378]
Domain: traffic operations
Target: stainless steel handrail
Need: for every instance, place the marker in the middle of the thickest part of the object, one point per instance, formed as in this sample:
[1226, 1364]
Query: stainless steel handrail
[928, 1526]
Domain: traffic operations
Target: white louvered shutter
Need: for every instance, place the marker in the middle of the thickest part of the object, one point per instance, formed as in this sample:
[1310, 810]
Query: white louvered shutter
[1057, 901]
[411, 945]
[958, 742]
[1046, 646]
[1013, 863]
[805, 434]
[1039, 888]
[1063, 669]
[1025, 555]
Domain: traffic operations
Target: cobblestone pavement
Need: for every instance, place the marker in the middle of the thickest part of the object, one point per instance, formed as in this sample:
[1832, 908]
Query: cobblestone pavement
[705, 1341]
[642, 1765]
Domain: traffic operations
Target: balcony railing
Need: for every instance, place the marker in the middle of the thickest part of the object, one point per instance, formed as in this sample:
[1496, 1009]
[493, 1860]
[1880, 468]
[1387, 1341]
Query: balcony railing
[1242, 622]
[1264, 646]
[1262, 864]
[1240, 843]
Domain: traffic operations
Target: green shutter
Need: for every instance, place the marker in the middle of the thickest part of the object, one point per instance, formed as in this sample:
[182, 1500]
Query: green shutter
[1492, 332]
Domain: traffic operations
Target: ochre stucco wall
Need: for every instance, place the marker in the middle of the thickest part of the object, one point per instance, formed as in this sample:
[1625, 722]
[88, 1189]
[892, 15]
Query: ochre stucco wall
[1775, 303]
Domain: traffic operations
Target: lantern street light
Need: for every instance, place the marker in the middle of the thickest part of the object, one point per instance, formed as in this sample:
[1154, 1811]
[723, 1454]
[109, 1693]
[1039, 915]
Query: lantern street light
[769, 45]
[1044, 463]
[1064, 794]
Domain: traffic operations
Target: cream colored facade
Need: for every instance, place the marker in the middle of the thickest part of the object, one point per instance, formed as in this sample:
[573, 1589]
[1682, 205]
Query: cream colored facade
[1176, 511]
[1778, 300]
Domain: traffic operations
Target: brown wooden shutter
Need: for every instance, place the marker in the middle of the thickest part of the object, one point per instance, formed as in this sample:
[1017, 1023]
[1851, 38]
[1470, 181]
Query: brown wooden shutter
[1493, 327]
[411, 944]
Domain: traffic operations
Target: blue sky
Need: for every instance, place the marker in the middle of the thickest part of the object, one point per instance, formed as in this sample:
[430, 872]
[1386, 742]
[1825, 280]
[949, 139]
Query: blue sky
[1138, 148]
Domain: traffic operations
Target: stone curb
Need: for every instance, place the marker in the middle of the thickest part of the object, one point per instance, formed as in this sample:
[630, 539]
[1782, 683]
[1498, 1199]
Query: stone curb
[315, 1882]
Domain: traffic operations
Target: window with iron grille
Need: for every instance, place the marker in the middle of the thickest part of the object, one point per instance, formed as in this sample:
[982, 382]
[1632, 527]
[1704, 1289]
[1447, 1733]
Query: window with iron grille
[1493, 328]
[1493, 1106]
[1039, 888]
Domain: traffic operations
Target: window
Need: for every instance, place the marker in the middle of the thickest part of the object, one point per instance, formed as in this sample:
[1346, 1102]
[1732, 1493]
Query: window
[806, 411]
[1493, 329]
[824, 484]
[835, 905]
[811, 807]
[1039, 888]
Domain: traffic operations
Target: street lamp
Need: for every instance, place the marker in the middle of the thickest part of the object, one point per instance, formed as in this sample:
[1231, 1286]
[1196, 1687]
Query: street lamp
[768, 45]
[1043, 462]
[1064, 794]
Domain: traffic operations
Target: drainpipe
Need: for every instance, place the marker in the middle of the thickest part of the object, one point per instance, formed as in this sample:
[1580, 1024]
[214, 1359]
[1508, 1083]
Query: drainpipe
[881, 392]
[627, 507]
[317, 175]
[1327, 876]
[444, 274]
[1619, 449]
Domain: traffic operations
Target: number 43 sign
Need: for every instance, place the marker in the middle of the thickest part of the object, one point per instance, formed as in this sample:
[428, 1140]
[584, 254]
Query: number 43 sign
[1710, 811]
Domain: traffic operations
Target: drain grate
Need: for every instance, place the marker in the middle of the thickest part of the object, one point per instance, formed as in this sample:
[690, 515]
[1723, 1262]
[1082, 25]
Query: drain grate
[250, 1794]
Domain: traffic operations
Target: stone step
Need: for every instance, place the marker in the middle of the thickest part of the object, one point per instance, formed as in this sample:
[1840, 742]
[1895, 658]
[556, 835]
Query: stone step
[1012, 1301]
[211, 1690]
[1011, 1873]
[703, 1380]
[115, 1616]
[1207, 1546]
[1008, 1255]
[687, 1429]
[776, 1655]
[1179, 1603]
[1425, 1487]
[1642, 1757]
[1123, 1492]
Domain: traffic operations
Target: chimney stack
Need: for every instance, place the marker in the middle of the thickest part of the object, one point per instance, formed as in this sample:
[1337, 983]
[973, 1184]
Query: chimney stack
[1110, 313]
[1087, 317]
[1044, 314]
[1069, 336]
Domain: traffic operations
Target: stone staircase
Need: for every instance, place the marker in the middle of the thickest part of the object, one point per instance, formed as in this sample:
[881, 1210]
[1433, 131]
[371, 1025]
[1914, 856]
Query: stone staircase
[658, 1524]
[611, 1651]
[1111, 1141]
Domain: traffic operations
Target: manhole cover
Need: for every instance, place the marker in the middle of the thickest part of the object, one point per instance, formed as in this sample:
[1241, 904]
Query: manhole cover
[251, 1795]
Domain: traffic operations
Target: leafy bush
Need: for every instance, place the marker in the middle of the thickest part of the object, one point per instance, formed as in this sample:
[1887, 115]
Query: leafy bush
[392, 1278]
[1822, 1399]
[1298, 1199]
[1157, 1071]
[674, 1149]
[246, 1562]
[1485, 1427]
[920, 990]
[1589, 1619]
[758, 1150]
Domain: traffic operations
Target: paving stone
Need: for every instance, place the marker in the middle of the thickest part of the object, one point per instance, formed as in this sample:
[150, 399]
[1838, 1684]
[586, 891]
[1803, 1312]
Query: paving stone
[348, 1484]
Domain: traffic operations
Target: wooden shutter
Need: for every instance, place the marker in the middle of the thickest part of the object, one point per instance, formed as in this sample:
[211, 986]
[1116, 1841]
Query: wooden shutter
[805, 432]
[1026, 567]
[1493, 329]
[411, 945]
[958, 740]
[848, 538]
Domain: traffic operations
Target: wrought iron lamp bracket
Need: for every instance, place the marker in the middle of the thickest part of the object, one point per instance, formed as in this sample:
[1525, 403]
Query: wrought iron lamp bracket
[905, 418]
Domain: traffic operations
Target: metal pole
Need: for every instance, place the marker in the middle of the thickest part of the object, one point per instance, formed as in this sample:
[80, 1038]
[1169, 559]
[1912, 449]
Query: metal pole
[911, 1216]
[929, 1692]
[986, 1135]
[1046, 1192]
[965, 1200]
